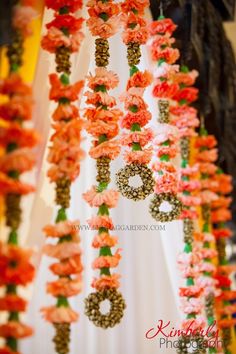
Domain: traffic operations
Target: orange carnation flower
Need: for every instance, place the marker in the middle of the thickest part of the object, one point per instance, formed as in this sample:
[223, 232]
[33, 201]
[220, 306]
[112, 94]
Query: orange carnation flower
[65, 287]
[59, 90]
[106, 281]
[109, 149]
[14, 303]
[104, 240]
[14, 329]
[15, 265]
[140, 79]
[72, 265]
[62, 314]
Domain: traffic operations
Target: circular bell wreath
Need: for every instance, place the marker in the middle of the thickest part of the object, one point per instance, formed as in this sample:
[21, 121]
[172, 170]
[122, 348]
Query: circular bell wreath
[117, 306]
[135, 193]
[163, 216]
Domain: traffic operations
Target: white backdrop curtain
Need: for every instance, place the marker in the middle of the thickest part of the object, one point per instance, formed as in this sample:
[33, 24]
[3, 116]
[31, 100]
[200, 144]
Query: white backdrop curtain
[150, 278]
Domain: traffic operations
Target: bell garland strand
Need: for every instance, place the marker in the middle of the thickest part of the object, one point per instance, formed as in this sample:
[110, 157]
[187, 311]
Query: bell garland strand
[138, 138]
[102, 123]
[165, 142]
[63, 38]
[221, 214]
[17, 158]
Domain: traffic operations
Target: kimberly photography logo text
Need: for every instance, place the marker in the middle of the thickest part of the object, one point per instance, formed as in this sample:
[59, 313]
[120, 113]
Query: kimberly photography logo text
[169, 337]
[125, 227]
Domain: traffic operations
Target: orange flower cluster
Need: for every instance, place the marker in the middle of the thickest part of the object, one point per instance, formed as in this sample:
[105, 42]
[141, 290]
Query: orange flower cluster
[220, 214]
[16, 143]
[64, 31]
[138, 116]
[102, 124]
[63, 38]
[104, 19]
[65, 153]
[165, 143]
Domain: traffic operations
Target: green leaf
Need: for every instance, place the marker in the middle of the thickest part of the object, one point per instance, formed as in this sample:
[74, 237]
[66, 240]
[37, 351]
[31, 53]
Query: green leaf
[133, 70]
[103, 210]
[61, 215]
[65, 80]
[105, 251]
[62, 301]
[135, 127]
[136, 147]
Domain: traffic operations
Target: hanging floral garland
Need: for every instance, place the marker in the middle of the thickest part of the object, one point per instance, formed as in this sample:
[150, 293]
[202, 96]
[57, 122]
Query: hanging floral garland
[64, 38]
[137, 139]
[206, 156]
[17, 157]
[102, 123]
[220, 215]
[165, 144]
[184, 117]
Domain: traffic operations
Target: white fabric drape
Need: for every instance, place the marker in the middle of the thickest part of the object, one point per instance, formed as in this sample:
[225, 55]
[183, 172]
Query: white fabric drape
[150, 278]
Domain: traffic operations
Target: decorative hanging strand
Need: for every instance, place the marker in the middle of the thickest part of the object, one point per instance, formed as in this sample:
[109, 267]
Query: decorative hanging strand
[102, 123]
[184, 117]
[220, 215]
[137, 139]
[16, 142]
[206, 157]
[63, 38]
[165, 144]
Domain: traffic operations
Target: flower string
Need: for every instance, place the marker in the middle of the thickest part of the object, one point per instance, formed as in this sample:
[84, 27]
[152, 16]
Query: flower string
[165, 143]
[184, 117]
[63, 38]
[16, 158]
[206, 156]
[138, 138]
[102, 123]
[220, 215]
